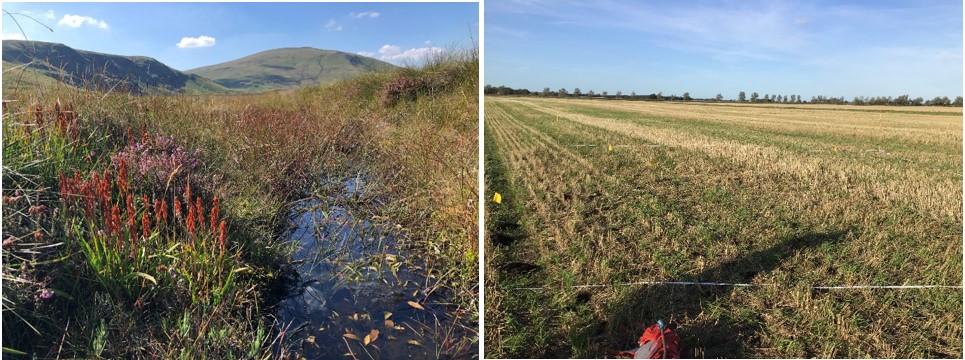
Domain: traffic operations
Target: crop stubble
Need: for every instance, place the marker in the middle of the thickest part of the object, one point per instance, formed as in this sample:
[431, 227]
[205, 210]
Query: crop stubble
[794, 196]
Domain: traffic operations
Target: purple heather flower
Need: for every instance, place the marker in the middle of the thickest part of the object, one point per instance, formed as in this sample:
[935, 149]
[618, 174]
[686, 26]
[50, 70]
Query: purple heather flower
[157, 158]
[46, 294]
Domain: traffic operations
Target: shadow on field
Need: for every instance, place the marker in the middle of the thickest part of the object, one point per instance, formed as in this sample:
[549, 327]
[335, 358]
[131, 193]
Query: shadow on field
[729, 336]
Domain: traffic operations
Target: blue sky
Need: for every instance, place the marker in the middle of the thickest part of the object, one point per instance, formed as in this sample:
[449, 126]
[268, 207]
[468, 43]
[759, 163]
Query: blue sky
[831, 48]
[217, 32]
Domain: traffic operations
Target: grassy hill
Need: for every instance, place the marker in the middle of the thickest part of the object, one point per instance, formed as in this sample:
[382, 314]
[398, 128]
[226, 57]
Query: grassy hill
[19, 76]
[289, 67]
[88, 69]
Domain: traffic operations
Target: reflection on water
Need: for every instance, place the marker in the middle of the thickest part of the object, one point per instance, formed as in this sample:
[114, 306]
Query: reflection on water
[358, 289]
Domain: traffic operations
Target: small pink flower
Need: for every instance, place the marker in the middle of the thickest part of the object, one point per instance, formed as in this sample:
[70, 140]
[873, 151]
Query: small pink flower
[46, 294]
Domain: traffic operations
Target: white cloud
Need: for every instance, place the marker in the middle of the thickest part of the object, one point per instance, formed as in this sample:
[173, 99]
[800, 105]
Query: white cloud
[389, 50]
[13, 36]
[49, 15]
[331, 25]
[195, 42]
[365, 14]
[76, 21]
[395, 53]
[366, 53]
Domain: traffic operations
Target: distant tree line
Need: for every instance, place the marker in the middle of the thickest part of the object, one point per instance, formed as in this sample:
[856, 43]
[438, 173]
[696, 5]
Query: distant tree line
[903, 100]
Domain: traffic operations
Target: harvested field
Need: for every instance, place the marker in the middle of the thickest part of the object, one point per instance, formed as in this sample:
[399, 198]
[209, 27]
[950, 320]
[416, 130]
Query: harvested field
[785, 197]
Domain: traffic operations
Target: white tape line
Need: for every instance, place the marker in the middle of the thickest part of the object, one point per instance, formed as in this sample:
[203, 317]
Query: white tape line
[888, 287]
[620, 145]
[700, 283]
[682, 283]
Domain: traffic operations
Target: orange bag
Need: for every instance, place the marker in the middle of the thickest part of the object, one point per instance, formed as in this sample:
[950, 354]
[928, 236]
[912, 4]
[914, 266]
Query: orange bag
[657, 342]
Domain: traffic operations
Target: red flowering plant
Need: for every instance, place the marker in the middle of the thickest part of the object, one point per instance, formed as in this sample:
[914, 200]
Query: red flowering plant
[128, 232]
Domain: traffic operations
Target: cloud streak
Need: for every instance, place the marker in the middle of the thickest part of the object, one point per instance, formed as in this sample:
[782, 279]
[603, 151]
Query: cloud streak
[331, 25]
[196, 42]
[365, 14]
[76, 21]
[13, 36]
[394, 53]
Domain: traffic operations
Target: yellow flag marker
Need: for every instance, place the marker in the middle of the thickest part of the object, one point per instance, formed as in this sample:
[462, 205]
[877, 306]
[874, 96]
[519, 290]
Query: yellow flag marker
[835, 149]
[498, 198]
[609, 147]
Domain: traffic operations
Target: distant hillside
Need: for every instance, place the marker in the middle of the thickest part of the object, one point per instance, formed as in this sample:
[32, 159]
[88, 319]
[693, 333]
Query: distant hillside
[23, 77]
[80, 68]
[289, 67]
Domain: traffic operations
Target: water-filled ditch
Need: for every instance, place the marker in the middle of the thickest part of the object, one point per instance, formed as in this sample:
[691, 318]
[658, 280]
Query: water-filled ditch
[359, 293]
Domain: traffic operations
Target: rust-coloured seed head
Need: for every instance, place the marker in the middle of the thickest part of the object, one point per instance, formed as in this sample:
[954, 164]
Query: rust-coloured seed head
[164, 211]
[177, 208]
[115, 222]
[37, 209]
[215, 210]
[146, 225]
[39, 115]
[222, 235]
[122, 178]
[190, 219]
[199, 211]
[131, 218]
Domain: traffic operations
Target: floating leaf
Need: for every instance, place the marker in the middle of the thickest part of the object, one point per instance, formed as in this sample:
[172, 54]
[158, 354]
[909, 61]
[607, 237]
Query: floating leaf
[389, 324]
[388, 315]
[355, 316]
[367, 340]
[416, 305]
[311, 340]
[414, 342]
[399, 328]
[374, 335]
[351, 336]
[498, 198]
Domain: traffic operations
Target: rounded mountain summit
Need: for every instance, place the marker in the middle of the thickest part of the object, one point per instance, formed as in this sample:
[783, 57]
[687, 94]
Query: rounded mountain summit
[289, 67]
